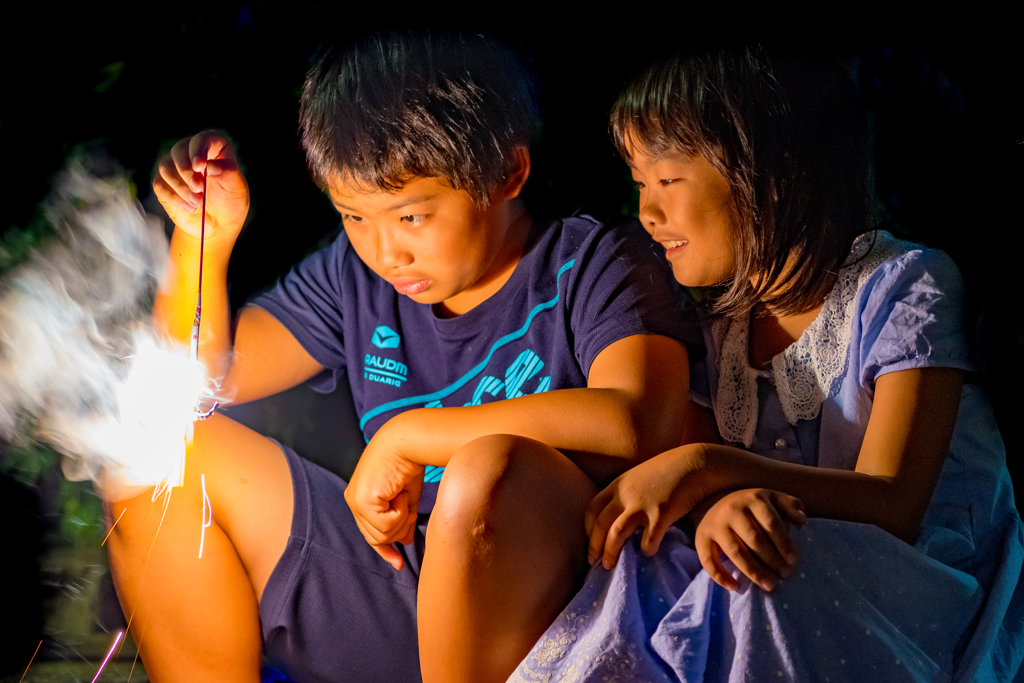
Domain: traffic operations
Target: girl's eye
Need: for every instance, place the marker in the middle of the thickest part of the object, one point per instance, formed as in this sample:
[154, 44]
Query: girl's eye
[639, 185]
[414, 219]
[347, 218]
[667, 181]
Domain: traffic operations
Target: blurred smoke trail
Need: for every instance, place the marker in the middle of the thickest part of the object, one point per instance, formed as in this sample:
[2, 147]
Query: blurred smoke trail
[79, 362]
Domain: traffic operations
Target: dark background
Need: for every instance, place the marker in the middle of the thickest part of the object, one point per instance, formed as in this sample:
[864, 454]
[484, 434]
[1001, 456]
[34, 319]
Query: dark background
[943, 102]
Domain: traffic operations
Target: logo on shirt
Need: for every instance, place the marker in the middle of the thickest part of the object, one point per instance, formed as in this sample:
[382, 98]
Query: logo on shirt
[385, 338]
[523, 369]
[385, 370]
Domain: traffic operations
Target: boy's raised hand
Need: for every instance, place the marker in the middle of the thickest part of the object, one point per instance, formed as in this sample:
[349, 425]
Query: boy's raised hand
[748, 527]
[179, 186]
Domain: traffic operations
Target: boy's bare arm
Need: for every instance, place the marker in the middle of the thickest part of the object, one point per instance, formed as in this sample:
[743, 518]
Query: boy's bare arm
[260, 357]
[632, 409]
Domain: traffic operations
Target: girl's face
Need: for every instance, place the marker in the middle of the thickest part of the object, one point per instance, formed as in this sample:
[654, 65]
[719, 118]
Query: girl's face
[686, 206]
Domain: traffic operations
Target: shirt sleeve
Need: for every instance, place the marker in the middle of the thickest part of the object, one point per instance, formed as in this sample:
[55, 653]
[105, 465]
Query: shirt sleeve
[912, 316]
[308, 302]
[625, 288]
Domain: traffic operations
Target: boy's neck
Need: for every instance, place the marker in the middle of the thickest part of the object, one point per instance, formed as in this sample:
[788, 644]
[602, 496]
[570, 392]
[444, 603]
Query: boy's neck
[514, 221]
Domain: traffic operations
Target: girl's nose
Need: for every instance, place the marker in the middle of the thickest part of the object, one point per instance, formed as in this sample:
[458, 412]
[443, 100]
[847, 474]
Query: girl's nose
[651, 215]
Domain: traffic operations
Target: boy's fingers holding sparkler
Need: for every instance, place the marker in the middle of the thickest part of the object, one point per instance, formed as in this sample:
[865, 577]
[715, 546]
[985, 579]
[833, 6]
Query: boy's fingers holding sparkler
[172, 180]
[208, 146]
[179, 156]
[176, 200]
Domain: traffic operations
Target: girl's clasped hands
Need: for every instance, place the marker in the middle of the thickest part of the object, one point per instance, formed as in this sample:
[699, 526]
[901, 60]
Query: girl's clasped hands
[748, 526]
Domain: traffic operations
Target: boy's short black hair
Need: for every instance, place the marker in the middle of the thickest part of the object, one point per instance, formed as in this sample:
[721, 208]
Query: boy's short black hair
[790, 137]
[397, 106]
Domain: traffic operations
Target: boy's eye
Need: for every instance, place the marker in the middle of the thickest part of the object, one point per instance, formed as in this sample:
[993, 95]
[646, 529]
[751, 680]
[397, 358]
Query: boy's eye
[667, 181]
[639, 185]
[348, 218]
[414, 219]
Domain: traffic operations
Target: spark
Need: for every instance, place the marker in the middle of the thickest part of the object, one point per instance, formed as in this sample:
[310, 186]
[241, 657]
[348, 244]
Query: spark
[207, 521]
[112, 526]
[31, 660]
[138, 650]
[107, 658]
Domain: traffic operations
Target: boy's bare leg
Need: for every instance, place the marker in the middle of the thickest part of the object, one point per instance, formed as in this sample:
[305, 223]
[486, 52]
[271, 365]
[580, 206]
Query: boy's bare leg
[506, 550]
[198, 619]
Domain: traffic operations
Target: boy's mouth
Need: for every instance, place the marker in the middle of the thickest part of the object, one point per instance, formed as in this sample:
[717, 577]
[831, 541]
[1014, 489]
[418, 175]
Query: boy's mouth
[410, 287]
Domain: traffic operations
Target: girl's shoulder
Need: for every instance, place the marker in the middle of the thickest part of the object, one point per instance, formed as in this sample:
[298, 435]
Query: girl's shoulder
[885, 271]
[895, 305]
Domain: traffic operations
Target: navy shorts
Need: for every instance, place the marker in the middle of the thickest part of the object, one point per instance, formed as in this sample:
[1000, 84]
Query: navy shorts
[333, 610]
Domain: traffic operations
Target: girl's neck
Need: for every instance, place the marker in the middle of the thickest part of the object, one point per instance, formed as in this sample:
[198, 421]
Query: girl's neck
[771, 334]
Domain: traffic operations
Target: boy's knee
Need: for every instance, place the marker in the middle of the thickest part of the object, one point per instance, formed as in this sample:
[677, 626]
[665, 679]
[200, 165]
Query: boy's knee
[481, 482]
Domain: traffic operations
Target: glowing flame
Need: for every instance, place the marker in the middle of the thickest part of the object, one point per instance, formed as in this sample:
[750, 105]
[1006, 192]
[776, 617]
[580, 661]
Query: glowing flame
[156, 405]
[80, 364]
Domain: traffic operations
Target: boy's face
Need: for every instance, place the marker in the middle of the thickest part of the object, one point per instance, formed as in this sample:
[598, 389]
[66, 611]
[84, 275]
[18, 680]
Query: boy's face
[686, 206]
[430, 242]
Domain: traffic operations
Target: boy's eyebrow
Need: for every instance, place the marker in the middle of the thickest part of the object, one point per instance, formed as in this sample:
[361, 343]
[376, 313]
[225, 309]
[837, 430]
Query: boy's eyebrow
[408, 201]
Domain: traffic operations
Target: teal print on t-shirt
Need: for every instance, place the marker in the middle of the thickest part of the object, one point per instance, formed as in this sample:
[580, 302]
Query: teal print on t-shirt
[385, 338]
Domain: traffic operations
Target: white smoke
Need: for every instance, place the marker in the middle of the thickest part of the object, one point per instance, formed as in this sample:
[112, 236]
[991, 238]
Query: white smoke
[79, 361]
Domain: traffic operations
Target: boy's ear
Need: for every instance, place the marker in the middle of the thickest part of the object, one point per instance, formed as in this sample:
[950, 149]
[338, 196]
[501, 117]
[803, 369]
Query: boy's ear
[518, 173]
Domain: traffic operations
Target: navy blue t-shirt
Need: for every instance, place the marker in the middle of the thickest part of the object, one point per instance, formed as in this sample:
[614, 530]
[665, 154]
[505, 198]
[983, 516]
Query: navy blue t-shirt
[579, 286]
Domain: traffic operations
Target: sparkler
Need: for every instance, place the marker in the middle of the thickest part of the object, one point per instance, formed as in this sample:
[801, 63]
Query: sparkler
[107, 658]
[30, 661]
[80, 364]
[207, 516]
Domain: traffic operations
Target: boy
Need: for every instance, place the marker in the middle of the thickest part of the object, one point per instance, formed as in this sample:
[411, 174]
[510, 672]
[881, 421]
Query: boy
[441, 296]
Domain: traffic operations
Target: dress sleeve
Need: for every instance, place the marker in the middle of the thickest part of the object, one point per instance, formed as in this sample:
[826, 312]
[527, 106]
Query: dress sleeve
[625, 288]
[308, 302]
[912, 316]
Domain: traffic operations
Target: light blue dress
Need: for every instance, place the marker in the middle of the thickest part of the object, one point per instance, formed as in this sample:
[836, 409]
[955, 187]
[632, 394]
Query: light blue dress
[862, 605]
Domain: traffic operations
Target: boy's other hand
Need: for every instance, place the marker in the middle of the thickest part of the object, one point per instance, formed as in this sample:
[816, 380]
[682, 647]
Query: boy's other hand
[384, 495]
[748, 527]
[179, 186]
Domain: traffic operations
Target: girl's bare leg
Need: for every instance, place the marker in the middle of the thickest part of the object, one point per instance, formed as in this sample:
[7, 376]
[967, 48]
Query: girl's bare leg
[198, 619]
[506, 550]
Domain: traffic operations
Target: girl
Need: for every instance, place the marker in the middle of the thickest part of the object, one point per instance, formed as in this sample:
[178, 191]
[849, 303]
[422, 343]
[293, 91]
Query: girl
[858, 522]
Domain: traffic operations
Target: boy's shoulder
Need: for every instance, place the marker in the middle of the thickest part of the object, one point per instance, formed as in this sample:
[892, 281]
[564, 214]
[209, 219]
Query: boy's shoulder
[589, 238]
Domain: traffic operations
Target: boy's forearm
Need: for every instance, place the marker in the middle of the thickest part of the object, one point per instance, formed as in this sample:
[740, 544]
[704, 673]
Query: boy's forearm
[604, 431]
[175, 303]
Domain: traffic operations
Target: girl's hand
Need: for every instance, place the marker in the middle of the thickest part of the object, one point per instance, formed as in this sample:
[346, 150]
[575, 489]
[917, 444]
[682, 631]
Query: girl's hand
[652, 495]
[748, 528]
[384, 495]
[179, 186]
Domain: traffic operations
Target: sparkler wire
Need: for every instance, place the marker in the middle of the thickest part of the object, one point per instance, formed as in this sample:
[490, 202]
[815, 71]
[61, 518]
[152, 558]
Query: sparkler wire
[116, 641]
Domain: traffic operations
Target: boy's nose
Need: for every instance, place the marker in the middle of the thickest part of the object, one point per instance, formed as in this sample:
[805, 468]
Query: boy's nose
[390, 252]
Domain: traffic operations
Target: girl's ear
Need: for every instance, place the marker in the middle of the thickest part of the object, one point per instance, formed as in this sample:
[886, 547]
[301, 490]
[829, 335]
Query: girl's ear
[518, 173]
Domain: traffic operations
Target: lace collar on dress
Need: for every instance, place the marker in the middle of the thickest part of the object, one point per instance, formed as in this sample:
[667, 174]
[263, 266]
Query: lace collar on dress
[811, 368]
